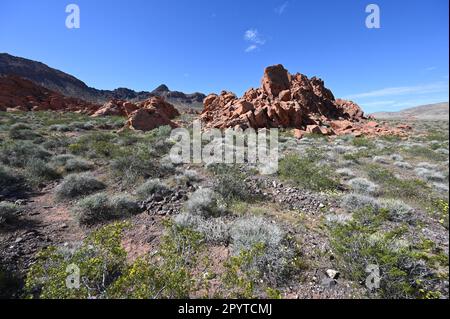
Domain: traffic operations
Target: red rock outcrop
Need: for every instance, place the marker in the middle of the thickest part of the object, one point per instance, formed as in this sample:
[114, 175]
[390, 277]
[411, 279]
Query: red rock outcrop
[287, 101]
[151, 114]
[20, 95]
[17, 94]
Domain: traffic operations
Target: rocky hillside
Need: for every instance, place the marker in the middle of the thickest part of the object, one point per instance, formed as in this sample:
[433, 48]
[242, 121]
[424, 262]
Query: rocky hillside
[70, 86]
[18, 94]
[438, 111]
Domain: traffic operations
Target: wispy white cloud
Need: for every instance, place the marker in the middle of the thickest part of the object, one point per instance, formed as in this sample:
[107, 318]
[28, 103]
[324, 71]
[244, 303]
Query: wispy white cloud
[251, 48]
[280, 10]
[254, 38]
[436, 87]
[431, 68]
[252, 35]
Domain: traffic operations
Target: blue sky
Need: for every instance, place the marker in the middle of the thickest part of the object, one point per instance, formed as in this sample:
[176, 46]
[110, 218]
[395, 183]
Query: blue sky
[207, 46]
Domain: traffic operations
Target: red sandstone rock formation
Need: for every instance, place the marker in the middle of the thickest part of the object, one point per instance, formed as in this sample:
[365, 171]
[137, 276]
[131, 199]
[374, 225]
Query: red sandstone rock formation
[17, 94]
[288, 101]
[152, 113]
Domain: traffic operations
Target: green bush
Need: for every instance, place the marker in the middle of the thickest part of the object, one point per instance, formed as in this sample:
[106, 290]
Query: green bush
[150, 187]
[277, 258]
[304, 172]
[99, 207]
[19, 153]
[214, 230]
[363, 186]
[21, 131]
[8, 212]
[100, 259]
[363, 142]
[11, 182]
[104, 272]
[409, 189]
[134, 167]
[171, 277]
[359, 244]
[38, 171]
[76, 185]
[205, 202]
[231, 184]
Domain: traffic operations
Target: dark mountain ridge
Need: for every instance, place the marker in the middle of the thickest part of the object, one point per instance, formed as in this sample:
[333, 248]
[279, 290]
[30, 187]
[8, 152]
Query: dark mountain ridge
[68, 85]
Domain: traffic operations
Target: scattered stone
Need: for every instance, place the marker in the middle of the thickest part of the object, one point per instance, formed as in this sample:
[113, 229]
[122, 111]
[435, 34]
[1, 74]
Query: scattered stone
[333, 274]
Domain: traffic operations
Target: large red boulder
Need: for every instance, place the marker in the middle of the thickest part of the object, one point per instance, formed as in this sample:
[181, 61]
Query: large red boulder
[147, 119]
[111, 108]
[276, 79]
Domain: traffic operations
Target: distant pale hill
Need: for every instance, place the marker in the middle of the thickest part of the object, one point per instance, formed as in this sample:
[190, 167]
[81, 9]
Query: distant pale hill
[430, 112]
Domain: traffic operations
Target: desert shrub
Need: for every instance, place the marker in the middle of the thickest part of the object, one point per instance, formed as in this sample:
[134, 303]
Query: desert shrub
[19, 153]
[441, 187]
[59, 128]
[347, 172]
[357, 156]
[341, 149]
[76, 185]
[21, 131]
[363, 186]
[77, 165]
[150, 187]
[10, 283]
[355, 202]
[172, 275]
[104, 272]
[403, 165]
[11, 182]
[61, 160]
[380, 159]
[100, 259]
[442, 151]
[430, 174]
[8, 212]
[133, 167]
[427, 165]
[363, 142]
[77, 126]
[95, 145]
[56, 143]
[397, 210]
[191, 175]
[379, 174]
[357, 246]
[231, 183]
[99, 207]
[214, 230]
[38, 171]
[71, 164]
[205, 202]
[275, 254]
[166, 166]
[304, 172]
[426, 153]
[413, 189]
